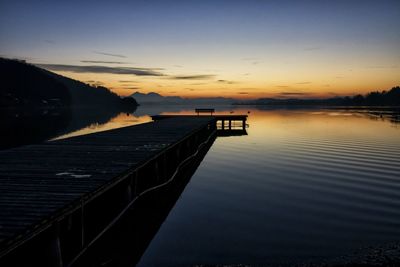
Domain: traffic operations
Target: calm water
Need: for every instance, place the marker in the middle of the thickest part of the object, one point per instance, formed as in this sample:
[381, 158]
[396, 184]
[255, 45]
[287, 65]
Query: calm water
[302, 186]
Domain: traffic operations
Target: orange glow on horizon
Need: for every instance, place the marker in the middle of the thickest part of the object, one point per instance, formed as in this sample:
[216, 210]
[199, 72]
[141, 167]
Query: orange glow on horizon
[240, 88]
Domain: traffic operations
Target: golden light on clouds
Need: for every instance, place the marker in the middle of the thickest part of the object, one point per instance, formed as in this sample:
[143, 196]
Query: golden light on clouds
[262, 82]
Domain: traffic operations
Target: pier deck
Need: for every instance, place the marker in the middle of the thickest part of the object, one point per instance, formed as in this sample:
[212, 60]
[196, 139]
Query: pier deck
[61, 195]
[224, 122]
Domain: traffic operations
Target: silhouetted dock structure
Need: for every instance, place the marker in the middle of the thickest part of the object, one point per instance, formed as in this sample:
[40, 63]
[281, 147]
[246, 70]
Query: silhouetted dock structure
[224, 122]
[57, 198]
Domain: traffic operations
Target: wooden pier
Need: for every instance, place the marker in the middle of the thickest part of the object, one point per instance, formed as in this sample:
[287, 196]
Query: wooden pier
[223, 122]
[58, 198]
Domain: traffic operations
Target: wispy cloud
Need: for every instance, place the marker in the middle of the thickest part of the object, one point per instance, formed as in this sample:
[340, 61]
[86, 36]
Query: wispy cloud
[303, 83]
[50, 41]
[109, 54]
[95, 83]
[226, 81]
[282, 86]
[103, 62]
[193, 77]
[198, 83]
[292, 93]
[254, 60]
[313, 48]
[102, 69]
[130, 88]
[249, 58]
[383, 67]
[243, 93]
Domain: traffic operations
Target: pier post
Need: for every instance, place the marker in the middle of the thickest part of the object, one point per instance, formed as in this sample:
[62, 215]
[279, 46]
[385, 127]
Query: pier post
[230, 124]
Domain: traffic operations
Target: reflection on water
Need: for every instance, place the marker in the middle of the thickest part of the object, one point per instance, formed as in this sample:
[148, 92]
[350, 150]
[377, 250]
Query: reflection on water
[303, 185]
[120, 120]
[22, 127]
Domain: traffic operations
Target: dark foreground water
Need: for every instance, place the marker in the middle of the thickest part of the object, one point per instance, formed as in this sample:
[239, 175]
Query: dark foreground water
[302, 186]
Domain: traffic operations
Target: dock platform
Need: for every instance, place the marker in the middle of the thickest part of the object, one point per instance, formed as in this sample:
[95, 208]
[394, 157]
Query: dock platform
[58, 197]
[224, 122]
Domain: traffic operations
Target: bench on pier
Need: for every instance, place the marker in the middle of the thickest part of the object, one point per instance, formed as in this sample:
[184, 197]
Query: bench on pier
[204, 110]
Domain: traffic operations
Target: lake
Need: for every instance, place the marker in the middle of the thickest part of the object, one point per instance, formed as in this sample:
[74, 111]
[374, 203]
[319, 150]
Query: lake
[305, 185]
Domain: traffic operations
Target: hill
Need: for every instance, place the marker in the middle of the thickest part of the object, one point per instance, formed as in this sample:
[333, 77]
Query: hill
[154, 98]
[26, 85]
[384, 98]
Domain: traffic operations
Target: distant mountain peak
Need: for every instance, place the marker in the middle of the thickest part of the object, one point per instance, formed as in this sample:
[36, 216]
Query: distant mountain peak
[156, 98]
[153, 94]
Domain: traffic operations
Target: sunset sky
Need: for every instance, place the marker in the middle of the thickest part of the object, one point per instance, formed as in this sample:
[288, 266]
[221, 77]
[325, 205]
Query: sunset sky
[241, 49]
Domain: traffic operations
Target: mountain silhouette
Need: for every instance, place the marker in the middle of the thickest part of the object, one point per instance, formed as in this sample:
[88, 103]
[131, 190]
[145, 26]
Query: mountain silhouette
[28, 86]
[155, 98]
[384, 98]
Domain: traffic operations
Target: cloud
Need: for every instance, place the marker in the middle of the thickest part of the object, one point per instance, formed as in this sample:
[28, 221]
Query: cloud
[292, 93]
[249, 58]
[103, 62]
[193, 77]
[226, 81]
[49, 41]
[304, 83]
[255, 61]
[282, 86]
[130, 88]
[126, 81]
[109, 54]
[313, 48]
[94, 82]
[243, 93]
[102, 69]
[197, 83]
[383, 67]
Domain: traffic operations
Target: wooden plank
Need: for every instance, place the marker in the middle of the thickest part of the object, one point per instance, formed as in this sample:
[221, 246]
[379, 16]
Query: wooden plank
[38, 181]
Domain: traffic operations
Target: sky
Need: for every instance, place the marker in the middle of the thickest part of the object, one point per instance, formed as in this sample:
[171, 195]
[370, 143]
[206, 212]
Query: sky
[241, 49]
